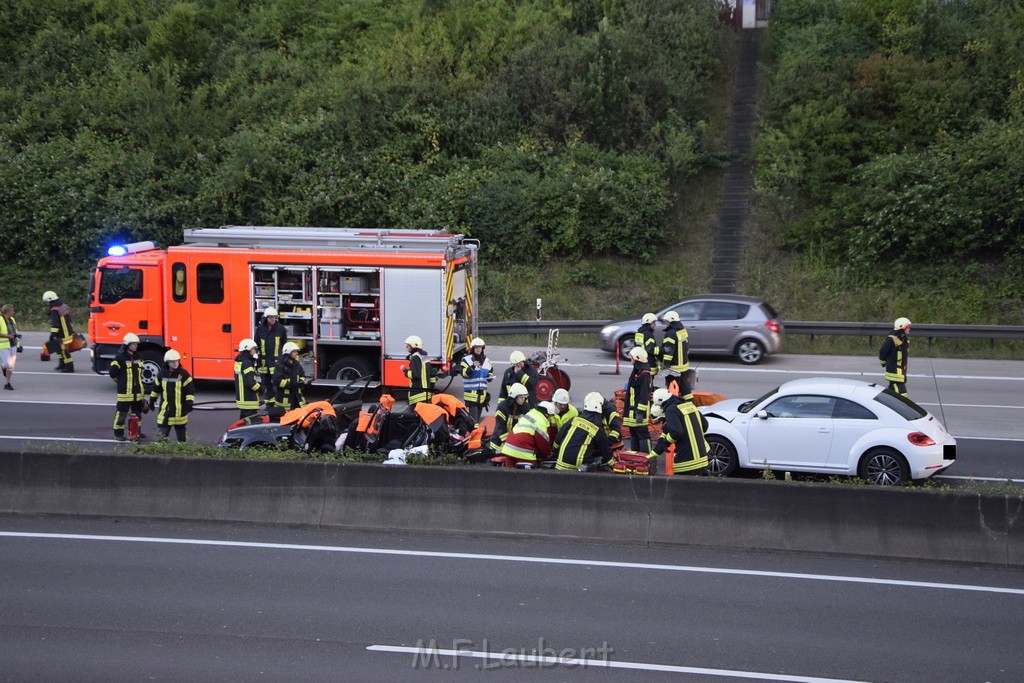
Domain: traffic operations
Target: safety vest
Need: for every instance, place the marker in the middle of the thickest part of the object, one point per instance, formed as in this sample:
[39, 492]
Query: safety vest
[564, 418]
[475, 379]
[529, 437]
[5, 343]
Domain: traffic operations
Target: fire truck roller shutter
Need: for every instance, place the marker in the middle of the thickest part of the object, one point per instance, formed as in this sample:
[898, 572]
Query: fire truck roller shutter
[412, 304]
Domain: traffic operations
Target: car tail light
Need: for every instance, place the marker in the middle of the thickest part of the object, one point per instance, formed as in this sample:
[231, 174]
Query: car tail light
[920, 439]
[773, 325]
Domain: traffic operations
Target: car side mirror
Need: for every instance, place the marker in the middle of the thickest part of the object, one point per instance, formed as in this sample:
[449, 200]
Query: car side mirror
[762, 414]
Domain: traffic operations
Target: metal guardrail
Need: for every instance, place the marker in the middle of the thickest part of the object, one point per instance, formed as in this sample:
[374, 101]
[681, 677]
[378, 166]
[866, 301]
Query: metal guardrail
[812, 328]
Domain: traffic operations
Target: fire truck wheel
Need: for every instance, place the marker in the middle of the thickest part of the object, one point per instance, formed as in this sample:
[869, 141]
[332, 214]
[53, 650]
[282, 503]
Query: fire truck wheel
[152, 361]
[348, 368]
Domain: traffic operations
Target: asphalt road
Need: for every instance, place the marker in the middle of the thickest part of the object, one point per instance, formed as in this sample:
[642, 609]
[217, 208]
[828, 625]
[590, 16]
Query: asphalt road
[170, 601]
[980, 401]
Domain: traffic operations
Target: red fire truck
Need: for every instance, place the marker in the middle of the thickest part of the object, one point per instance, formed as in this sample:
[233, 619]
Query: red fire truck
[348, 297]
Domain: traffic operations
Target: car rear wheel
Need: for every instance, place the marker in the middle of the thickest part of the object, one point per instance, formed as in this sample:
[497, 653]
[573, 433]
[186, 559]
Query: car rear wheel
[723, 461]
[884, 467]
[626, 344]
[750, 351]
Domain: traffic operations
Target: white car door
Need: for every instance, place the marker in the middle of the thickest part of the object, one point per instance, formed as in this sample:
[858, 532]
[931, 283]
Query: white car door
[796, 432]
[850, 421]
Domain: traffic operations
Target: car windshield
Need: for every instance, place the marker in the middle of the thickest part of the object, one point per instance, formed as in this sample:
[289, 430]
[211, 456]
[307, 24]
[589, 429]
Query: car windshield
[901, 405]
[745, 408]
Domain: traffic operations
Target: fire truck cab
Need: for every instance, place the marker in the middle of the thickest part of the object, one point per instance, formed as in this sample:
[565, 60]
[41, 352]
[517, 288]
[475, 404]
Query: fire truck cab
[348, 297]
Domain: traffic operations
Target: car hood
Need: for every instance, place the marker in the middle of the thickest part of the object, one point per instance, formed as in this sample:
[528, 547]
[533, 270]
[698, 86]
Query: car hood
[726, 410]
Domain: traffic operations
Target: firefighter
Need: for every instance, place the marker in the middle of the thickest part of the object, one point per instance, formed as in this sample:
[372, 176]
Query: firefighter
[612, 424]
[418, 371]
[173, 388]
[894, 354]
[476, 373]
[288, 379]
[61, 331]
[582, 440]
[529, 441]
[638, 402]
[675, 345]
[364, 430]
[271, 336]
[684, 427]
[247, 379]
[509, 410]
[564, 410]
[126, 372]
[644, 339]
[521, 372]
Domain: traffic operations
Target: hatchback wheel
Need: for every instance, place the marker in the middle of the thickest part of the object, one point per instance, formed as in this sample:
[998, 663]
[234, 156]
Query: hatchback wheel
[885, 467]
[750, 351]
[626, 344]
[722, 458]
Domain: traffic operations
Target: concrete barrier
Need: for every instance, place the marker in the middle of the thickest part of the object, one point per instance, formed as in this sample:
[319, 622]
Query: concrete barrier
[691, 511]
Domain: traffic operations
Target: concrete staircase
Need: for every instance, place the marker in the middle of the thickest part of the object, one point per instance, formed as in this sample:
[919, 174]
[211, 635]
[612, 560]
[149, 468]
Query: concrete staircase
[737, 181]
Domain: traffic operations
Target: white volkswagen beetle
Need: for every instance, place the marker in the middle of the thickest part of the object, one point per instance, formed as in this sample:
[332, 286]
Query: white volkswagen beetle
[832, 426]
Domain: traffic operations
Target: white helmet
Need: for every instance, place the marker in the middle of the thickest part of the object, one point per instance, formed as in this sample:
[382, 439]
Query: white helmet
[657, 412]
[901, 324]
[548, 406]
[269, 312]
[517, 390]
[661, 395]
[671, 317]
[638, 353]
[477, 341]
[594, 401]
[517, 357]
[560, 396]
[289, 347]
[130, 338]
[171, 355]
[247, 345]
[648, 319]
[49, 296]
[414, 341]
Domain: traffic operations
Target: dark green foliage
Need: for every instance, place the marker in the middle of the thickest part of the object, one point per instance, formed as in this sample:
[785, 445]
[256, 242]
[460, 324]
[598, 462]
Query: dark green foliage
[894, 131]
[543, 127]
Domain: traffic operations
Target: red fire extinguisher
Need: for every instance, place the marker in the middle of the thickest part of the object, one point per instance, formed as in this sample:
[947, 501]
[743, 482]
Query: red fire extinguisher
[134, 427]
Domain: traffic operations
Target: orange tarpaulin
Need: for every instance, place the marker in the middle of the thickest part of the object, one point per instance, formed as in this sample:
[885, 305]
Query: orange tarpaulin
[305, 414]
[430, 413]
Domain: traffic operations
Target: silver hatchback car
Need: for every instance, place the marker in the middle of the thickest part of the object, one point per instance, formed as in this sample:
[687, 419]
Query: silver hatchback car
[718, 324]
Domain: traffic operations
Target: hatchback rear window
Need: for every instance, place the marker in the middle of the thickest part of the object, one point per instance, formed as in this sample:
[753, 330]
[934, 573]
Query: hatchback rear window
[901, 405]
[724, 310]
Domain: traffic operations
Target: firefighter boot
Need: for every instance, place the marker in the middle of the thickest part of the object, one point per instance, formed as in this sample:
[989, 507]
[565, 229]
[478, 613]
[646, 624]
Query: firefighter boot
[66, 367]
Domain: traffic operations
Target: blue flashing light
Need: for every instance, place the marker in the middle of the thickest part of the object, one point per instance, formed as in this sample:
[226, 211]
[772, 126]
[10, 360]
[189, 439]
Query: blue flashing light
[117, 250]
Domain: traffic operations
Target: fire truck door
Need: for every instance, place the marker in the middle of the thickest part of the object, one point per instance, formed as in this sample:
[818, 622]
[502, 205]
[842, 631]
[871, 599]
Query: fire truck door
[212, 333]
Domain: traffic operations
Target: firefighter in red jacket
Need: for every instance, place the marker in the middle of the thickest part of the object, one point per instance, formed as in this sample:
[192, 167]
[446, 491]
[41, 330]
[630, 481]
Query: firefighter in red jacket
[529, 441]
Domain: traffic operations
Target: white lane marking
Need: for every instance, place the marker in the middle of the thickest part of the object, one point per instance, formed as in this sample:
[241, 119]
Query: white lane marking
[1002, 479]
[507, 657]
[518, 558]
[58, 403]
[58, 438]
[972, 405]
